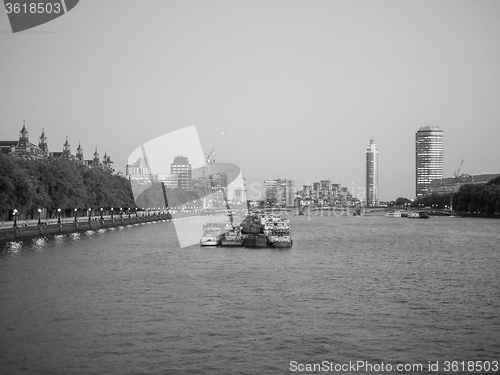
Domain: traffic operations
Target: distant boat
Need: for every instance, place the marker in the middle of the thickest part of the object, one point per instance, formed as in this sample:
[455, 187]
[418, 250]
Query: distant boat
[256, 240]
[211, 237]
[232, 237]
[280, 238]
[252, 225]
[277, 230]
[393, 213]
[418, 215]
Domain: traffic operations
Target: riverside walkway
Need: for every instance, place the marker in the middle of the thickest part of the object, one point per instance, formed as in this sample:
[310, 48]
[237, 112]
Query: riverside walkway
[34, 228]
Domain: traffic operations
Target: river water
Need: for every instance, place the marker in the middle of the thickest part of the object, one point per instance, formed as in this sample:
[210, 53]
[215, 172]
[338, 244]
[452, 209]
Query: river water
[370, 288]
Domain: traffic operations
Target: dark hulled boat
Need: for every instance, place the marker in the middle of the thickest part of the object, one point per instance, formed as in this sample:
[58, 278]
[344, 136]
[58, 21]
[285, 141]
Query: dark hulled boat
[232, 237]
[256, 240]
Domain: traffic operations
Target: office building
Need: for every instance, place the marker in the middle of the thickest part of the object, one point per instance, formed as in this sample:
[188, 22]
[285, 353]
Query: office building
[280, 192]
[182, 169]
[371, 175]
[428, 158]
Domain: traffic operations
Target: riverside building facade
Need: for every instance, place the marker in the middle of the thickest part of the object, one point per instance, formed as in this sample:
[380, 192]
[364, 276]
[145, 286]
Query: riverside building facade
[372, 175]
[23, 148]
[182, 169]
[428, 158]
[279, 192]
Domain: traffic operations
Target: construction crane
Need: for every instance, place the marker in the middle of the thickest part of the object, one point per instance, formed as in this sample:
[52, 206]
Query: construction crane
[245, 186]
[456, 175]
[210, 161]
[234, 153]
[212, 152]
[457, 172]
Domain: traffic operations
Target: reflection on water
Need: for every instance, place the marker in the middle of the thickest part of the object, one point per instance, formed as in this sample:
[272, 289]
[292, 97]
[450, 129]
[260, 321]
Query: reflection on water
[74, 236]
[13, 247]
[59, 239]
[39, 243]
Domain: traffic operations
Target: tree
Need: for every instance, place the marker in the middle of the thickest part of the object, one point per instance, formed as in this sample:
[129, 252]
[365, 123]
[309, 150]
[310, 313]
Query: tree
[401, 201]
[53, 183]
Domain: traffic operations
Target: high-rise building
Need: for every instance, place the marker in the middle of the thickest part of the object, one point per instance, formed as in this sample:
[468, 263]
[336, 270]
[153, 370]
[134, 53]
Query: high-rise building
[428, 158]
[271, 191]
[280, 192]
[371, 175]
[182, 169]
[240, 195]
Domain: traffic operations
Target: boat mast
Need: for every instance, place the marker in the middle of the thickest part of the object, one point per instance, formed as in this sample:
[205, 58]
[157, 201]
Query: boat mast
[228, 208]
[164, 195]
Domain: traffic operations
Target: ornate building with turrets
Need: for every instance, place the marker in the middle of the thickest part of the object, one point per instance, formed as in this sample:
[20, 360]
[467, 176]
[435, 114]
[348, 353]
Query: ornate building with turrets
[23, 148]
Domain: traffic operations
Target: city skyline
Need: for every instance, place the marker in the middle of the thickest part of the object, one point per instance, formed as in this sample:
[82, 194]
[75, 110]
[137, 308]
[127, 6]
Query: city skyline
[297, 96]
[428, 165]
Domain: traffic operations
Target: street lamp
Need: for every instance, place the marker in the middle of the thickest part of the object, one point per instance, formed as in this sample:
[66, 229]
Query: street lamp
[111, 213]
[75, 214]
[15, 217]
[58, 216]
[89, 213]
[102, 218]
[39, 215]
[121, 213]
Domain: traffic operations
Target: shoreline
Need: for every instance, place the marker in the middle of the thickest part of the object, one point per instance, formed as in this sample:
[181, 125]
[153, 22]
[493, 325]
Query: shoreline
[26, 232]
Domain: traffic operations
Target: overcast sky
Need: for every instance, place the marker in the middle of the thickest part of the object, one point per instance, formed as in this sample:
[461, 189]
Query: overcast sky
[299, 86]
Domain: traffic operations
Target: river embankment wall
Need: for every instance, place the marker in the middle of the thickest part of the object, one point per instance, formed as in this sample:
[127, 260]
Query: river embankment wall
[44, 229]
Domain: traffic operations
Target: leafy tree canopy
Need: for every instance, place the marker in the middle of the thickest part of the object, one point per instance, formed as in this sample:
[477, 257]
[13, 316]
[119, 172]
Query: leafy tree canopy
[59, 183]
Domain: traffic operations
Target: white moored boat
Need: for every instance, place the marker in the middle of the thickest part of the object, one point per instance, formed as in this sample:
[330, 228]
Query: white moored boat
[393, 213]
[211, 237]
[280, 238]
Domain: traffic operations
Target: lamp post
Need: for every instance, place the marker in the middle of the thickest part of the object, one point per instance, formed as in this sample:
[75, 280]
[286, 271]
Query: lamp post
[58, 216]
[39, 216]
[89, 213]
[76, 209]
[111, 213]
[136, 212]
[15, 217]
[102, 218]
[121, 213]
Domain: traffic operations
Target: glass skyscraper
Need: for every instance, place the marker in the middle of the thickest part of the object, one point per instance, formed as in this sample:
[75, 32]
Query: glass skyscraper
[428, 158]
[371, 175]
